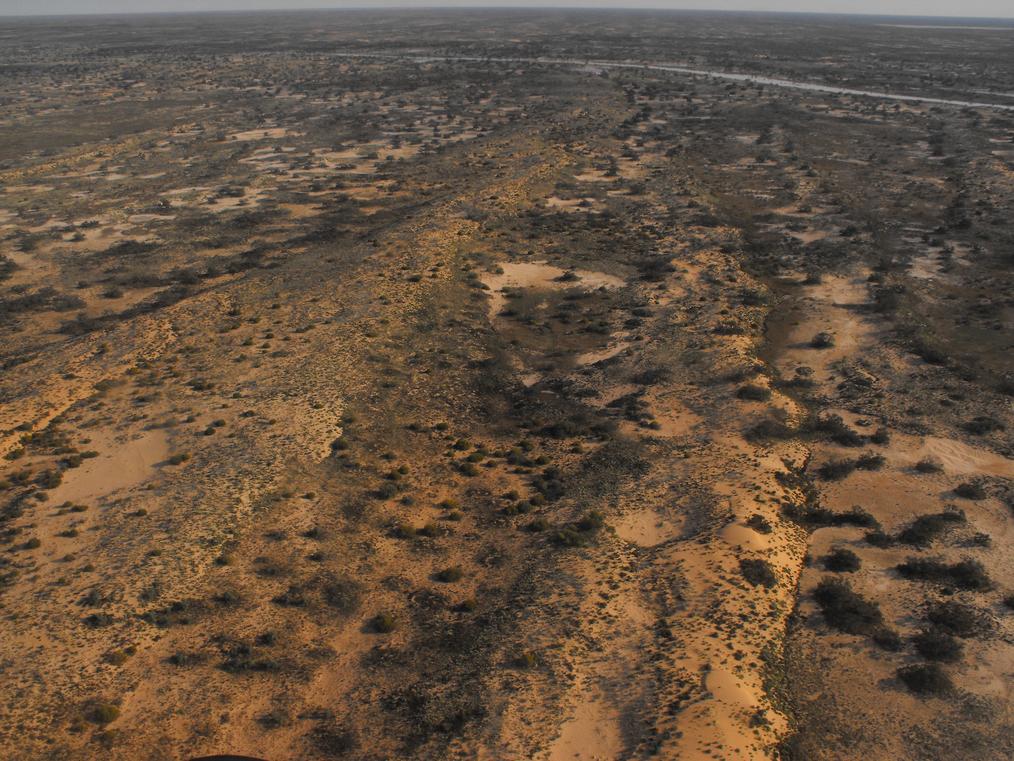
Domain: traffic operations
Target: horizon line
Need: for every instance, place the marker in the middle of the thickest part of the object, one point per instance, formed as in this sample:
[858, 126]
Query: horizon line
[534, 9]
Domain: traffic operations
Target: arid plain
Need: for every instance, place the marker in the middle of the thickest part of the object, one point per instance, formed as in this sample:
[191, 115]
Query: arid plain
[426, 386]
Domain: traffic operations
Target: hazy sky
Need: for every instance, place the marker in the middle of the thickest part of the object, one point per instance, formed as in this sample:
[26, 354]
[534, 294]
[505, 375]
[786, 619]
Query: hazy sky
[995, 8]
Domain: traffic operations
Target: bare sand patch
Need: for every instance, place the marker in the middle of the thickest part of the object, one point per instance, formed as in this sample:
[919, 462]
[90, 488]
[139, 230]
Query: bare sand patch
[267, 133]
[645, 527]
[540, 275]
[122, 464]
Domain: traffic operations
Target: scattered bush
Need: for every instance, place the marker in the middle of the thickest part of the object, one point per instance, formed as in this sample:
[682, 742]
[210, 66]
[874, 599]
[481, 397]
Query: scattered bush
[591, 521]
[959, 619]
[881, 436]
[333, 741]
[758, 572]
[104, 713]
[936, 645]
[836, 470]
[965, 574]
[759, 523]
[838, 431]
[449, 575]
[342, 594]
[982, 425]
[753, 393]
[539, 524]
[879, 539]
[929, 465]
[816, 516]
[845, 610]
[887, 639]
[840, 560]
[970, 490]
[768, 429]
[870, 461]
[925, 679]
[822, 340]
[926, 528]
[382, 623]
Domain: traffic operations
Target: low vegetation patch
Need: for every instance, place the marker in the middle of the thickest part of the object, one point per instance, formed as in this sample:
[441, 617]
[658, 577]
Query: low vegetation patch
[925, 679]
[965, 574]
[846, 610]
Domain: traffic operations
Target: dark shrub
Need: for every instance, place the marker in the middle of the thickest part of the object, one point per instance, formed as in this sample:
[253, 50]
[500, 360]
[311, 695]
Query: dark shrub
[753, 393]
[539, 524]
[840, 560]
[568, 537]
[836, 470]
[104, 713]
[333, 741]
[925, 679]
[982, 425]
[758, 572]
[651, 376]
[870, 461]
[768, 429]
[344, 595]
[591, 521]
[926, 528]
[449, 575]
[969, 490]
[838, 431]
[815, 516]
[936, 645]
[759, 523]
[965, 574]
[879, 539]
[959, 619]
[382, 623]
[386, 490]
[887, 639]
[929, 465]
[822, 340]
[881, 436]
[845, 610]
